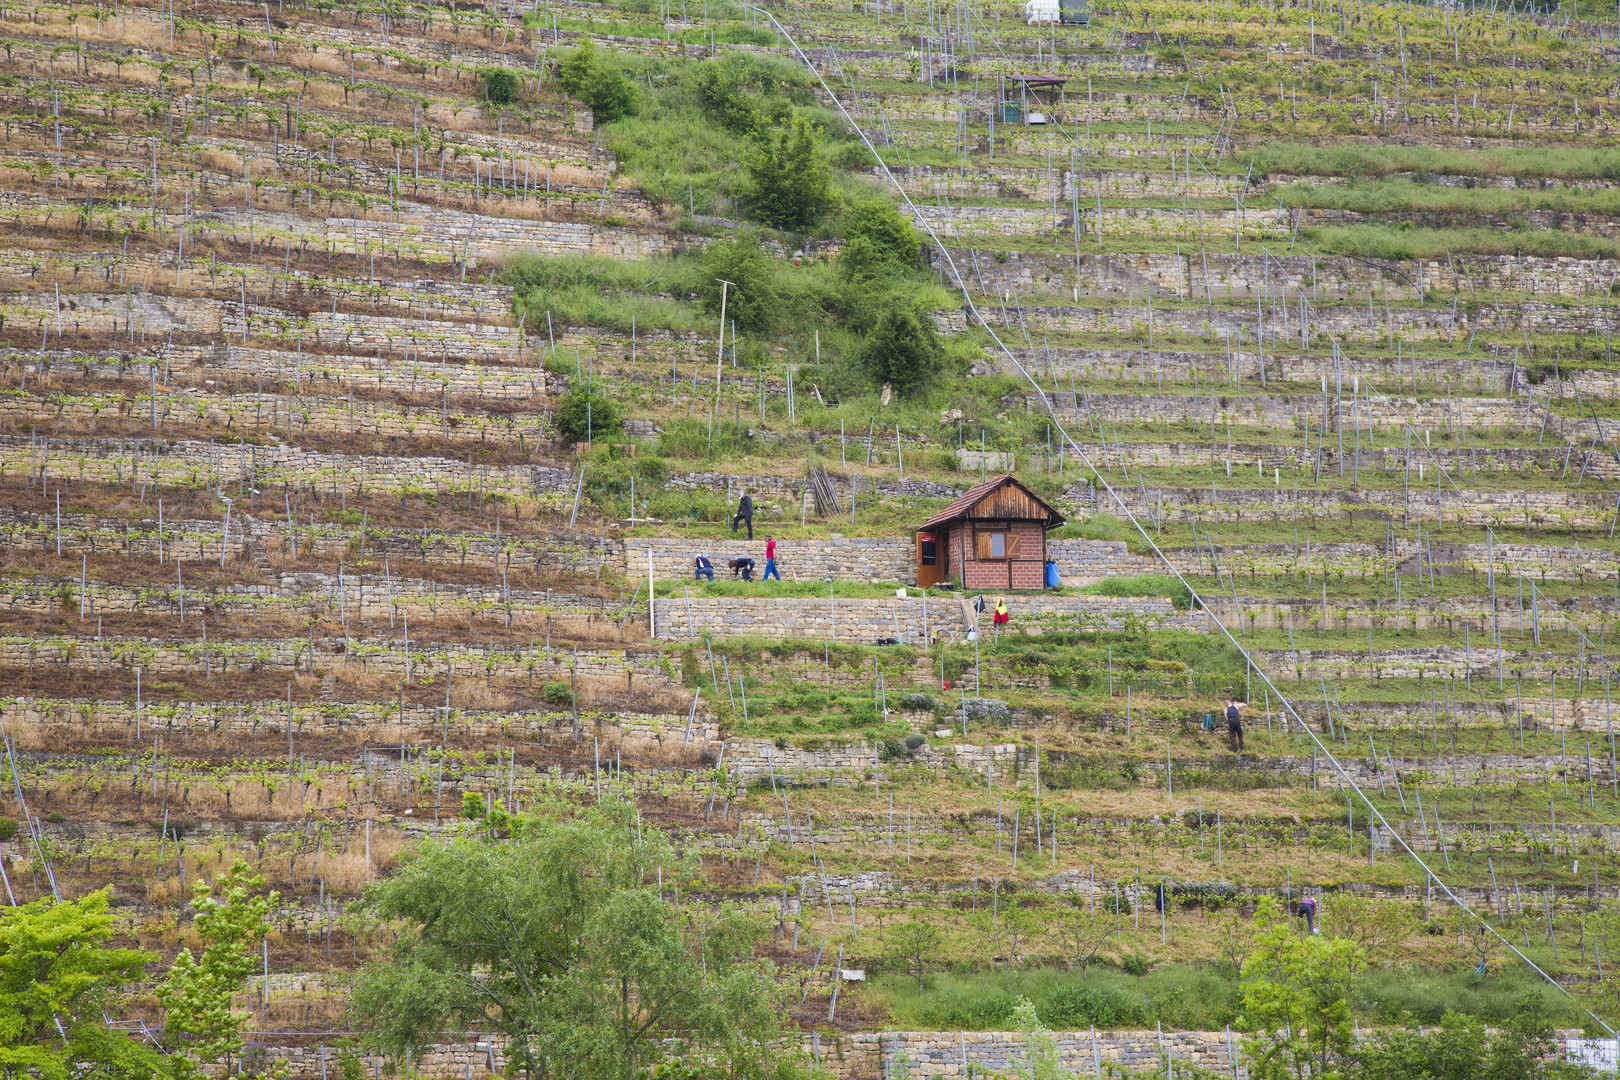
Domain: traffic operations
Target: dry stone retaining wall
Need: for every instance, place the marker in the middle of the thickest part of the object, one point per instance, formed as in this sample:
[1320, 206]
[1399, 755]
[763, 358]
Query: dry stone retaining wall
[913, 620]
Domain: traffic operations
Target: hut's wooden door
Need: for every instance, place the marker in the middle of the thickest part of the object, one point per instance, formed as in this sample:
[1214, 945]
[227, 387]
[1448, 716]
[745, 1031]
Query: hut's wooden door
[931, 565]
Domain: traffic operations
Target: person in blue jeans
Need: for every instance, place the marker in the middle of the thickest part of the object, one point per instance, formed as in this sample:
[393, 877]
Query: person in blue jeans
[705, 568]
[770, 561]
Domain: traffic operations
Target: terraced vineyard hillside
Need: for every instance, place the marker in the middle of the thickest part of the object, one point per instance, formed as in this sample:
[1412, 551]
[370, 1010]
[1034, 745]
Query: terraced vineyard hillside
[375, 373]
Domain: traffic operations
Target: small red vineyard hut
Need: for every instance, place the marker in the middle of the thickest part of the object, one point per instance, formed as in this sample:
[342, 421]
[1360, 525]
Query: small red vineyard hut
[993, 537]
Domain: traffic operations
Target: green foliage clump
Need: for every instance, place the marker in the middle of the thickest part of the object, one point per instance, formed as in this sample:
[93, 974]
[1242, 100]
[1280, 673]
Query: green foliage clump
[598, 83]
[501, 85]
[790, 186]
[904, 349]
[741, 94]
[1460, 1049]
[751, 297]
[560, 942]
[1078, 1005]
[198, 992]
[878, 242]
[586, 413]
[57, 975]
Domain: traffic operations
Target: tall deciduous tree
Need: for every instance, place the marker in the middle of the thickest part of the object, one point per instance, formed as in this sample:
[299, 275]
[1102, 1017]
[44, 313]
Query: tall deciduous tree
[913, 947]
[196, 994]
[562, 940]
[1296, 990]
[790, 186]
[56, 977]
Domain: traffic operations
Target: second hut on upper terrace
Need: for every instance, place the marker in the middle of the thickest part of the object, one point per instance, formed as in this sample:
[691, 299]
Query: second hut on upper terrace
[993, 537]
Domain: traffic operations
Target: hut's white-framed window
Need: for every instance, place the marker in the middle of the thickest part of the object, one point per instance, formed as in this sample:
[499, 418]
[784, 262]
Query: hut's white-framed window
[995, 540]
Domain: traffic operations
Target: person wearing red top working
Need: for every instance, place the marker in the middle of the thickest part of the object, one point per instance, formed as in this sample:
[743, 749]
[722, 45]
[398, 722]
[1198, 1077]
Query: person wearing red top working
[770, 561]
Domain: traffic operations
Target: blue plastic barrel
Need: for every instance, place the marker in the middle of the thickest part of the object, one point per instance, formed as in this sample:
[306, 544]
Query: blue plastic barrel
[1051, 575]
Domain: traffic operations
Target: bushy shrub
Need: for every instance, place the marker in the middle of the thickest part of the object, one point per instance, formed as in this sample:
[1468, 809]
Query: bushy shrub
[891, 750]
[501, 85]
[904, 349]
[790, 185]
[751, 298]
[1073, 1006]
[917, 702]
[878, 241]
[607, 90]
[586, 413]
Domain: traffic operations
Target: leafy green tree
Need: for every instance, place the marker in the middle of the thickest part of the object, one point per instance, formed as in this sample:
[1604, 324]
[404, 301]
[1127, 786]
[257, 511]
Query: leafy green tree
[56, 978]
[744, 93]
[751, 298]
[879, 243]
[1456, 1051]
[1080, 930]
[1296, 990]
[562, 941]
[1524, 1049]
[196, 994]
[913, 947]
[501, 85]
[790, 185]
[595, 81]
[586, 413]
[904, 349]
[610, 94]
[722, 90]
[576, 66]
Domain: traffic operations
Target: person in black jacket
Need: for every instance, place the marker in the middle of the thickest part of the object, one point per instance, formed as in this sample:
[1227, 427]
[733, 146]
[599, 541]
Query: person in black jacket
[745, 512]
[1234, 724]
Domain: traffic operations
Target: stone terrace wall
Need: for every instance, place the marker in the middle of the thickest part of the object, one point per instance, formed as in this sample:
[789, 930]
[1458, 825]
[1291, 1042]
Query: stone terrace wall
[945, 1053]
[1194, 275]
[856, 558]
[912, 620]
[866, 1056]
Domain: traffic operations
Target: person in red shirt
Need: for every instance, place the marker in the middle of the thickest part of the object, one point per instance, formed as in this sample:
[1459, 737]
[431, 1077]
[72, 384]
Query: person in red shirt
[770, 561]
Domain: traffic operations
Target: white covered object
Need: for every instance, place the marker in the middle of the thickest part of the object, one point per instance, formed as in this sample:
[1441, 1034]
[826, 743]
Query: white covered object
[1039, 11]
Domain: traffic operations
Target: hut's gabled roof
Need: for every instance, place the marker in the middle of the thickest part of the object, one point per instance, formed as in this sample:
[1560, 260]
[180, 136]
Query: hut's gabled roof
[1002, 497]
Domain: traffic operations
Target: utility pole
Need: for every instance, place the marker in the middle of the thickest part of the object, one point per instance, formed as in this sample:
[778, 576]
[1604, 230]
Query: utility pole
[720, 352]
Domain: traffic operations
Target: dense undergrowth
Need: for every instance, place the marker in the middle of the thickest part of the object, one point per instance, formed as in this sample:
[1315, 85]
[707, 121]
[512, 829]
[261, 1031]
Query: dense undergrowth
[1189, 997]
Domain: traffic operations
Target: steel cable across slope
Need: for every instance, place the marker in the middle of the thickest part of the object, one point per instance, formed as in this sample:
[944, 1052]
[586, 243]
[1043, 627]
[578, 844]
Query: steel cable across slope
[1125, 510]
